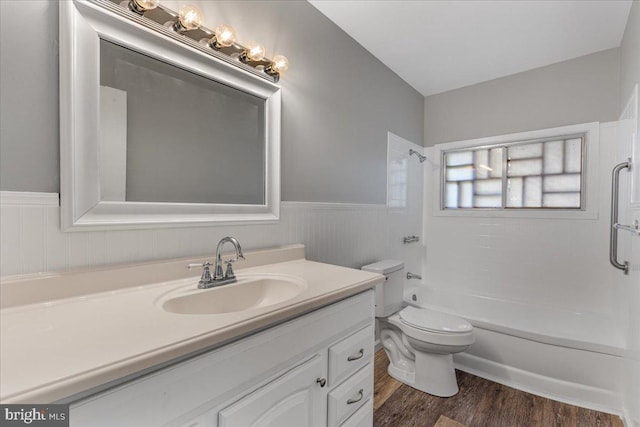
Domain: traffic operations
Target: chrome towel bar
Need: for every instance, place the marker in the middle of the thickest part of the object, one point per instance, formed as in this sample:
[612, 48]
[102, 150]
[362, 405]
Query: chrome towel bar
[613, 240]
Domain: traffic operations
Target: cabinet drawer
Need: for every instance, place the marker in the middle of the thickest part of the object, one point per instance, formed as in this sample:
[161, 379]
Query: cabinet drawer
[345, 399]
[363, 416]
[350, 354]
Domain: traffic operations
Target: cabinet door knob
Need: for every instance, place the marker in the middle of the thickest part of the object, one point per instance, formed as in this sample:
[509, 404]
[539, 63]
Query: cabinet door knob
[357, 399]
[360, 355]
[322, 381]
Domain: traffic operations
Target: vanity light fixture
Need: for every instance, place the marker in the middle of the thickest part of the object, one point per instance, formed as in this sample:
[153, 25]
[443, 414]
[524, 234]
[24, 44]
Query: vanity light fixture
[188, 28]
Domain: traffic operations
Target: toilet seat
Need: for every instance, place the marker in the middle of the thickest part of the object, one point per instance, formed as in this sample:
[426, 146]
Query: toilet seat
[434, 321]
[438, 338]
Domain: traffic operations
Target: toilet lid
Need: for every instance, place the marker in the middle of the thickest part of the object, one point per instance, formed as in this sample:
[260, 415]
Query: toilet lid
[434, 321]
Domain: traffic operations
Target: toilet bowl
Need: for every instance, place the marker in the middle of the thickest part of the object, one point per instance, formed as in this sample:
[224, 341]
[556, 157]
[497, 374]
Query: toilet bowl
[421, 355]
[419, 342]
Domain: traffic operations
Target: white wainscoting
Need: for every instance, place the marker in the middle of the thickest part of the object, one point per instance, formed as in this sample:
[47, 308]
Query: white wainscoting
[31, 241]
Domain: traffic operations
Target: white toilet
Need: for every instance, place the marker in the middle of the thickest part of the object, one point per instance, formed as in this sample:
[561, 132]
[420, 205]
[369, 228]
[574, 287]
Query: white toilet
[419, 342]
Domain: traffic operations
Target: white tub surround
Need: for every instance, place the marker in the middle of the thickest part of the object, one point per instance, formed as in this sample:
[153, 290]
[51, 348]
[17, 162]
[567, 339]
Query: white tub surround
[574, 357]
[549, 315]
[84, 330]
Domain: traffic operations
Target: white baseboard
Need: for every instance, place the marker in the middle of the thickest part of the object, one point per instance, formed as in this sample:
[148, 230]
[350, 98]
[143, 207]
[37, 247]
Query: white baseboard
[627, 421]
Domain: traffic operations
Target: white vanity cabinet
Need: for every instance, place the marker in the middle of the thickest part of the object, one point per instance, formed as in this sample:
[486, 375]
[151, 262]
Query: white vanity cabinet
[314, 370]
[295, 399]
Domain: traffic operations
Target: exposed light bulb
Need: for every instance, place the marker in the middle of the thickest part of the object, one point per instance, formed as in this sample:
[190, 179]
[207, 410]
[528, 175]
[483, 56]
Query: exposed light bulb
[254, 51]
[140, 6]
[279, 64]
[189, 17]
[225, 35]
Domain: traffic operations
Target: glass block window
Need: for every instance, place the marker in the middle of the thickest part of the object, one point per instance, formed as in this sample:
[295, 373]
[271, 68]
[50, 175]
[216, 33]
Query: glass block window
[540, 174]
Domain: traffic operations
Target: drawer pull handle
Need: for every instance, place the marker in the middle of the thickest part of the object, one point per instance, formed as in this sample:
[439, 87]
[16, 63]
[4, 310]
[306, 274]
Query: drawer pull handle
[359, 356]
[322, 381]
[358, 399]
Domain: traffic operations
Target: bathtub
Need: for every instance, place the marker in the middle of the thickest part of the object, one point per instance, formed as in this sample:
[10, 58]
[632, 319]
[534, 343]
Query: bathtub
[573, 357]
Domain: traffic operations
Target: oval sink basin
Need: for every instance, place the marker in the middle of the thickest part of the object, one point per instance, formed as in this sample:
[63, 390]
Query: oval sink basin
[248, 293]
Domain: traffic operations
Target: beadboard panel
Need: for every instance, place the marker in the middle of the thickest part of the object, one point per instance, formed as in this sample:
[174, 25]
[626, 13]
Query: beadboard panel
[343, 234]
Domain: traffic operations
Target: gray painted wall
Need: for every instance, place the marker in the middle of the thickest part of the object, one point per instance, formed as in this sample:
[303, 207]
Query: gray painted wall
[29, 149]
[338, 100]
[580, 90]
[630, 55]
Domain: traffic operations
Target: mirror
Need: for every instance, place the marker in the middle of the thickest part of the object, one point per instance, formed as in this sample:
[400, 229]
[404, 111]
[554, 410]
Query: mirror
[154, 133]
[174, 136]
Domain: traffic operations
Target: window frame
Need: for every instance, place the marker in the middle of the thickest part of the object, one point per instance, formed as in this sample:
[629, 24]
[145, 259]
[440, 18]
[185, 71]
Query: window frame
[589, 132]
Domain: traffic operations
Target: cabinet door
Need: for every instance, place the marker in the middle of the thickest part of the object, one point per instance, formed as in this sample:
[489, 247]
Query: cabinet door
[293, 400]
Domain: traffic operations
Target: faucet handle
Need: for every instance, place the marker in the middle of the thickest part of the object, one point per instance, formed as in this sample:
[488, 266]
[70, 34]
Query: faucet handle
[229, 274]
[196, 265]
[205, 279]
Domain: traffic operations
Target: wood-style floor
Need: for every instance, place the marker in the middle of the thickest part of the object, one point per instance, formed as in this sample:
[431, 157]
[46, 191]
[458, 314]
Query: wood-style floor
[479, 403]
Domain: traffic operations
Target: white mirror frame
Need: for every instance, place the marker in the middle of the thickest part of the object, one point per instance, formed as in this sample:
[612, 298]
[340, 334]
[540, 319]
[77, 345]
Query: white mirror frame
[82, 25]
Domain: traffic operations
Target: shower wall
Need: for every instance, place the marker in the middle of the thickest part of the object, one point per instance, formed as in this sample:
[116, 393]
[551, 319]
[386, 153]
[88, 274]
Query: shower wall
[553, 262]
[405, 202]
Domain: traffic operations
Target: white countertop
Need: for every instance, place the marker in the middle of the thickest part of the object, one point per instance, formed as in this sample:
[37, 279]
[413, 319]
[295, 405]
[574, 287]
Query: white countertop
[50, 350]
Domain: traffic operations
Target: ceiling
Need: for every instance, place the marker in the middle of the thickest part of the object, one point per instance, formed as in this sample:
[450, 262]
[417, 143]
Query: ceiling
[438, 45]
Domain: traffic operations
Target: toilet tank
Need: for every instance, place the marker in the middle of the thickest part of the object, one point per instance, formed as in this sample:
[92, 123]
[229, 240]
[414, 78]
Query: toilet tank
[390, 292]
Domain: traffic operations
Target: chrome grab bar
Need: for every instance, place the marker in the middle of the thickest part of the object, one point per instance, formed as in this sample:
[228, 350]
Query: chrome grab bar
[613, 241]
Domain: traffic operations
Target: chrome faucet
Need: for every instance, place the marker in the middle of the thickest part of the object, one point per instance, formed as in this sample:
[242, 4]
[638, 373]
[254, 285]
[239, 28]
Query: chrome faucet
[228, 277]
[219, 277]
[411, 275]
